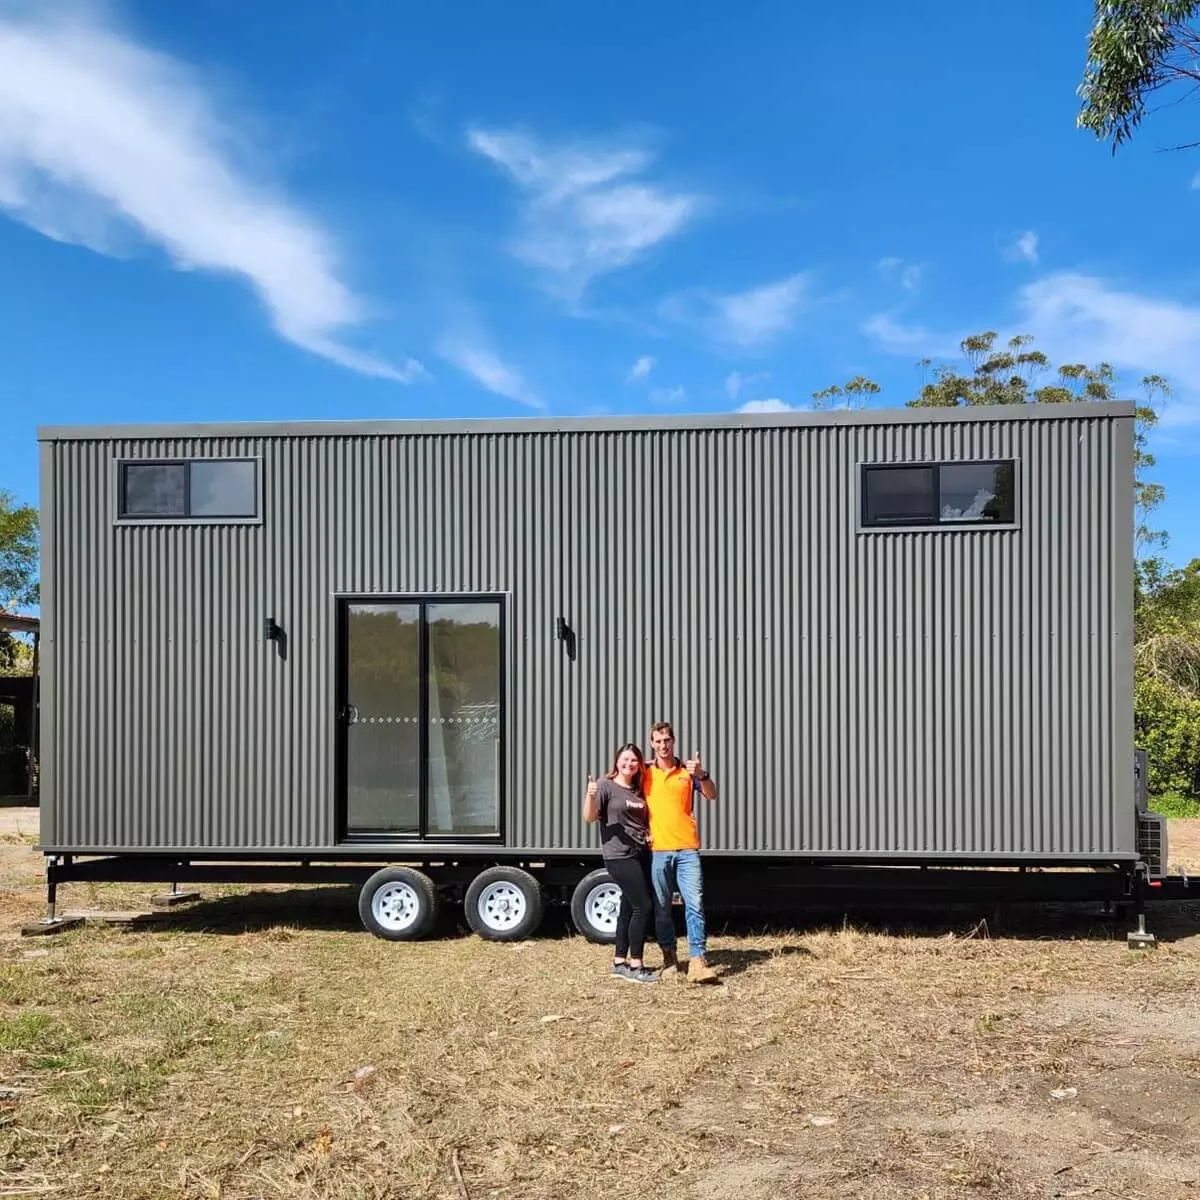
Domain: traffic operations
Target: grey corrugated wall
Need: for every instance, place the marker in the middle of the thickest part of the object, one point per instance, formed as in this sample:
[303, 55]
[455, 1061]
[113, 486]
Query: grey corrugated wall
[923, 693]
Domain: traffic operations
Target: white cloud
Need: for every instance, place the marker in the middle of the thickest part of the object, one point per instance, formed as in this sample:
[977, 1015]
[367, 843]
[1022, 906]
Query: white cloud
[1082, 318]
[641, 369]
[587, 210]
[487, 369]
[101, 137]
[665, 396]
[908, 275]
[1024, 248]
[736, 383]
[899, 338]
[774, 405]
[762, 313]
[748, 319]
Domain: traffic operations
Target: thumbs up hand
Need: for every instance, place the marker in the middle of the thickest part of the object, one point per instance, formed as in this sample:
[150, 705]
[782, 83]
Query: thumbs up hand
[592, 788]
[694, 767]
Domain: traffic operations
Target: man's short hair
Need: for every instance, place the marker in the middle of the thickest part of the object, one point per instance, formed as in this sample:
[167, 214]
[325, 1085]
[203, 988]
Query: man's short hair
[661, 727]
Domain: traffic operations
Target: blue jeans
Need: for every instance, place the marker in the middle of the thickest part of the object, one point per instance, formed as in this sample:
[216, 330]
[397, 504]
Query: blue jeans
[678, 871]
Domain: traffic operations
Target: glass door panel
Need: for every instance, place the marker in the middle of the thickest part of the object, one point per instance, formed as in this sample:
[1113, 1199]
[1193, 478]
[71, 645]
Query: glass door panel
[383, 718]
[463, 729]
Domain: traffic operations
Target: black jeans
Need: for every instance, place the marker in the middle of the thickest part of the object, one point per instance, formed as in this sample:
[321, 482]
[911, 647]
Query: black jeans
[632, 876]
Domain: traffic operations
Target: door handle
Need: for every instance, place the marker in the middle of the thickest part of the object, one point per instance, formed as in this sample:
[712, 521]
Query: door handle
[350, 714]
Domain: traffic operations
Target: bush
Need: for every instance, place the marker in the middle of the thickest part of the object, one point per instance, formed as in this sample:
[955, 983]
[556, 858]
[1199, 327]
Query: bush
[1175, 805]
[1168, 729]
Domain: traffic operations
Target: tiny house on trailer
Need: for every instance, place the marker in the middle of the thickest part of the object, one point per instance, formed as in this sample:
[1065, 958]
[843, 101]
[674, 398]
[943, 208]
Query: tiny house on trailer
[298, 651]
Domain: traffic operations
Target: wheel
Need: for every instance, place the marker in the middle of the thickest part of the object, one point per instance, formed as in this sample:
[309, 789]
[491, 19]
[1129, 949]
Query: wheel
[399, 904]
[504, 904]
[594, 907]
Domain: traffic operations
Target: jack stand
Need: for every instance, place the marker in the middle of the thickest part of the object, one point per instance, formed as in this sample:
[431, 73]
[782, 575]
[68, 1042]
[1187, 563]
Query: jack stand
[1141, 938]
[51, 922]
[174, 897]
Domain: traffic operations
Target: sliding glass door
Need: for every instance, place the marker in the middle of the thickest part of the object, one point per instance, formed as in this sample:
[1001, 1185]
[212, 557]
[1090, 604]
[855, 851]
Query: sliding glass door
[421, 718]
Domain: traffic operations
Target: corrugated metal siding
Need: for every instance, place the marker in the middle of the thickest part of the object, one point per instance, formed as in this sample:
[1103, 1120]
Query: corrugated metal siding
[933, 692]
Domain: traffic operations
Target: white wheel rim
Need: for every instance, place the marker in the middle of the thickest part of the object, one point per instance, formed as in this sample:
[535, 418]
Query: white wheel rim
[396, 906]
[502, 906]
[601, 907]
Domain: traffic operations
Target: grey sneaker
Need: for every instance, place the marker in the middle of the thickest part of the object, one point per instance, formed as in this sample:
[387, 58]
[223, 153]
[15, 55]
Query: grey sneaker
[635, 974]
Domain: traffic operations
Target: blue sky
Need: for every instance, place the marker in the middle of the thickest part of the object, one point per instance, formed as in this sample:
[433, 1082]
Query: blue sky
[216, 210]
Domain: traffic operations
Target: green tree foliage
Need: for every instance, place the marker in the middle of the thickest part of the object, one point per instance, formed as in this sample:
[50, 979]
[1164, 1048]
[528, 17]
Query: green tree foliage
[1016, 373]
[18, 553]
[18, 573]
[16, 655]
[854, 392]
[1167, 673]
[1167, 622]
[1136, 48]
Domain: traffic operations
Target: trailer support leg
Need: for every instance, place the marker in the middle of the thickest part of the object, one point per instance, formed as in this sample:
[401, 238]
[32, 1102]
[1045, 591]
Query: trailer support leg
[174, 897]
[1140, 938]
[51, 922]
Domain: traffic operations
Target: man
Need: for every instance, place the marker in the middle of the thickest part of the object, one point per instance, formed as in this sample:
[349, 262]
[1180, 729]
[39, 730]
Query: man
[670, 788]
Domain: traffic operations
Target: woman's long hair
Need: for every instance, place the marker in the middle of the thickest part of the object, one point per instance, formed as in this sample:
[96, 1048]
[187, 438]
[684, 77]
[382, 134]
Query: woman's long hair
[640, 778]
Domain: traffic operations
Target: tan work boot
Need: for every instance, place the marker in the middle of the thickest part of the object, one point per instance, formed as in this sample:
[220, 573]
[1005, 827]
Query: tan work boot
[670, 967]
[700, 972]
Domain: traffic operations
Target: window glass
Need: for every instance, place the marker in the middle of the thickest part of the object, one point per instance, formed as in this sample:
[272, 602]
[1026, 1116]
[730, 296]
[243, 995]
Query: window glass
[383, 693]
[464, 718]
[899, 495]
[223, 489]
[191, 489]
[954, 493]
[976, 492]
[154, 490]
[423, 707]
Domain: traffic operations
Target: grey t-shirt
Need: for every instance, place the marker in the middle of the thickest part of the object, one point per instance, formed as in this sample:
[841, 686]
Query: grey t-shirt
[624, 820]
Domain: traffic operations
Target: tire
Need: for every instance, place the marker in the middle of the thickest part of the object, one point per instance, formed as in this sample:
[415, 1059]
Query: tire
[504, 904]
[594, 907]
[399, 904]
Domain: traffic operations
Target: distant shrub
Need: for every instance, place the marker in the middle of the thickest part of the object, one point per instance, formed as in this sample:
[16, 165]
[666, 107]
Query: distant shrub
[1168, 729]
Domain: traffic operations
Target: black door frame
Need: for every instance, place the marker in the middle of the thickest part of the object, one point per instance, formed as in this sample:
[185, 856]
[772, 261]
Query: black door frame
[422, 600]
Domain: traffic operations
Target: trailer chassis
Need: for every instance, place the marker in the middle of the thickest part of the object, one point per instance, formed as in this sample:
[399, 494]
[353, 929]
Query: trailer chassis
[731, 883]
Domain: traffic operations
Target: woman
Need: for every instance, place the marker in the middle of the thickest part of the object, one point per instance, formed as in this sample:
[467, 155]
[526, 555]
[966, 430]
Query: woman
[618, 804]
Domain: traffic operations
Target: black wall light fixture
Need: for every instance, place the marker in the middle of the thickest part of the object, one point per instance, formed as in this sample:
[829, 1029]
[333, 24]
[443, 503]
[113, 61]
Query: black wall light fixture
[271, 630]
[566, 635]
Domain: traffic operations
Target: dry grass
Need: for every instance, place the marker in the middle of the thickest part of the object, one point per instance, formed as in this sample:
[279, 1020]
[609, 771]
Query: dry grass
[231, 1061]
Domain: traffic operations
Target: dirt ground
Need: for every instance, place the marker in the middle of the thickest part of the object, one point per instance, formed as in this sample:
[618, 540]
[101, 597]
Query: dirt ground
[264, 1046]
[16, 822]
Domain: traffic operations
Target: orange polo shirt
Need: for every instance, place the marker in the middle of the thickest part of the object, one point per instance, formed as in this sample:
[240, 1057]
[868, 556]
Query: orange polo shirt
[669, 799]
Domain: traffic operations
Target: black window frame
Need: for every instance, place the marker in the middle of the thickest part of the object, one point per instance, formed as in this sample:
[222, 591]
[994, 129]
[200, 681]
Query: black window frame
[187, 517]
[422, 600]
[936, 521]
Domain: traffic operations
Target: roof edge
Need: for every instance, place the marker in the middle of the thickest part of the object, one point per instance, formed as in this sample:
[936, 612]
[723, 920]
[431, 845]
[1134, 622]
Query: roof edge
[606, 424]
[19, 623]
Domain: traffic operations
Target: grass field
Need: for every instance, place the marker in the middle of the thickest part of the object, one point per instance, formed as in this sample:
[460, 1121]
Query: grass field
[264, 1046]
